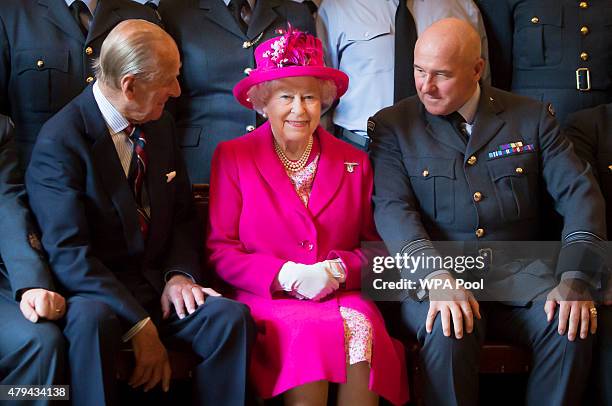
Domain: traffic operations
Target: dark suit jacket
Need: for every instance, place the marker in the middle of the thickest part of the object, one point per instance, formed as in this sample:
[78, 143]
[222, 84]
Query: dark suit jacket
[538, 46]
[87, 214]
[21, 258]
[214, 60]
[591, 132]
[45, 61]
[425, 177]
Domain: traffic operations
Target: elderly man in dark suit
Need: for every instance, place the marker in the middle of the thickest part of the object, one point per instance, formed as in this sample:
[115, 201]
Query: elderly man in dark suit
[590, 131]
[467, 163]
[46, 52]
[217, 39]
[31, 349]
[112, 197]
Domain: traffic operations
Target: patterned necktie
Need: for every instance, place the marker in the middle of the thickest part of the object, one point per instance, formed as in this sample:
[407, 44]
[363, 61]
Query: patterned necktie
[405, 38]
[137, 172]
[458, 123]
[82, 15]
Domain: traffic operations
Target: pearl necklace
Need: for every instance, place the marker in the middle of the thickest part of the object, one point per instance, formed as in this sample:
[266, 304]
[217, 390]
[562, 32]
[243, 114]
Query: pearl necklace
[294, 166]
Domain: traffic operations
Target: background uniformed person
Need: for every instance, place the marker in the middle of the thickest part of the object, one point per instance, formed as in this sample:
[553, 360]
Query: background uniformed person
[557, 51]
[46, 52]
[445, 171]
[217, 39]
[31, 349]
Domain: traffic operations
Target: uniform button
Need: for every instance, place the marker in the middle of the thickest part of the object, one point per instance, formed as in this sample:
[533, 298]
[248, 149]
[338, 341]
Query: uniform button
[89, 50]
[584, 4]
[250, 128]
[477, 197]
[535, 20]
[584, 56]
[89, 79]
[584, 30]
[479, 232]
[307, 245]
[519, 170]
[425, 173]
[247, 71]
[472, 160]
[40, 63]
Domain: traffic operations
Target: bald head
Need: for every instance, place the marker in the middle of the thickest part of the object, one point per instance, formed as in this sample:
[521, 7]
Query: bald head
[135, 47]
[447, 65]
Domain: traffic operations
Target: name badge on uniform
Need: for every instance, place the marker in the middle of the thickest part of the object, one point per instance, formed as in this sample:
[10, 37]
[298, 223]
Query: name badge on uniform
[513, 148]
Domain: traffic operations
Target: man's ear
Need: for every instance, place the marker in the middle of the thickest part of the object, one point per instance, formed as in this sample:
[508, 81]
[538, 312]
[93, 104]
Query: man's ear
[128, 86]
[479, 68]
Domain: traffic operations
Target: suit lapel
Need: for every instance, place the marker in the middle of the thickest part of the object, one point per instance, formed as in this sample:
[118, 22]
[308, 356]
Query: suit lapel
[217, 12]
[59, 14]
[109, 169]
[486, 124]
[329, 176]
[105, 18]
[440, 129]
[263, 15]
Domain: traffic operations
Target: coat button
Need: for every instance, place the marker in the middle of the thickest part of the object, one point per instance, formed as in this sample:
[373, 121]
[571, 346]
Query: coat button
[247, 71]
[477, 197]
[584, 4]
[584, 30]
[307, 245]
[480, 232]
[250, 128]
[40, 63]
[89, 50]
[535, 20]
[89, 79]
[425, 173]
[519, 170]
[584, 56]
[472, 160]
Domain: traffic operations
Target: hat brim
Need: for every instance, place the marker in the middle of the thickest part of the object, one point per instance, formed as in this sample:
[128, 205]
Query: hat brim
[256, 77]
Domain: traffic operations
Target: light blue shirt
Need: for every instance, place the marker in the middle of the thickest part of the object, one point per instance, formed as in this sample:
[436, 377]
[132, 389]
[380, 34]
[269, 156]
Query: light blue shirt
[359, 38]
[156, 2]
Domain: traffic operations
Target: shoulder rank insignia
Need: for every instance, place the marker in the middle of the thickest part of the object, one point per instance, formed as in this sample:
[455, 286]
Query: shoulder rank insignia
[371, 125]
[551, 110]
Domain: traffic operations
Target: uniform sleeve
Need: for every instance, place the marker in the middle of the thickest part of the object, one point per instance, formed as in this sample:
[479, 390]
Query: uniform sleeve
[248, 271]
[55, 182]
[581, 130]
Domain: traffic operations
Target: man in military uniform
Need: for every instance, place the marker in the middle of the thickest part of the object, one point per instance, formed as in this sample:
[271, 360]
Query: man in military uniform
[467, 163]
[590, 131]
[47, 48]
[217, 39]
[31, 347]
[556, 51]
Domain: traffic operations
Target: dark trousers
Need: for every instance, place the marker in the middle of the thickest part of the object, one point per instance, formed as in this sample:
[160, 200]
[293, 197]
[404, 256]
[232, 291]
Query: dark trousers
[220, 333]
[30, 353]
[450, 366]
[602, 357]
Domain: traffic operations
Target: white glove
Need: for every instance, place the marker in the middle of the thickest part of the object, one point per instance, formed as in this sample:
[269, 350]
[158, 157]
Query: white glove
[310, 281]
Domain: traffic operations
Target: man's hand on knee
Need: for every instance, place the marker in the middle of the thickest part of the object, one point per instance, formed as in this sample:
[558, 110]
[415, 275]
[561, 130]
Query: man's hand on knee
[454, 303]
[182, 293]
[41, 303]
[152, 365]
[577, 312]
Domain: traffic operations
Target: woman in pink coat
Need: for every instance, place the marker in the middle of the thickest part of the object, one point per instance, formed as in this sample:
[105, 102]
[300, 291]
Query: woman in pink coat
[290, 206]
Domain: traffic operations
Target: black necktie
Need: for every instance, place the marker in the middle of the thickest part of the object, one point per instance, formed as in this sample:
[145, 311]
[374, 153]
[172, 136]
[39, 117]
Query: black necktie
[405, 38]
[79, 8]
[458, 123]
[236, 7]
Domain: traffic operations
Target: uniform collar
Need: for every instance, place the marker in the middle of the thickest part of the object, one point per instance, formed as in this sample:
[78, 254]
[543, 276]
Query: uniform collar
[156, 2]
[468, 110]
[251, 3]
[114, 120]
[91, 4]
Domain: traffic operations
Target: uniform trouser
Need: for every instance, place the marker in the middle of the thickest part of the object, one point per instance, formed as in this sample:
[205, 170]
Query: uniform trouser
[30, 353]
[560, 368]
[602, 372]
[220, 333]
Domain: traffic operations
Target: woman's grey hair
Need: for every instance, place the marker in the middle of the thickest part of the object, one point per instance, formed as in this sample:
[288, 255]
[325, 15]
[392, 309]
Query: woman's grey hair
[259, 94]
[130, 49]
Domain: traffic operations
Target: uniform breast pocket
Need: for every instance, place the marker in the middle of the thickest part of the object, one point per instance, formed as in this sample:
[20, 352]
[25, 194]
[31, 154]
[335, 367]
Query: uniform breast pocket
[367, 48]
[515, 184]
[42, 77]
[538, 36]
[433, 181]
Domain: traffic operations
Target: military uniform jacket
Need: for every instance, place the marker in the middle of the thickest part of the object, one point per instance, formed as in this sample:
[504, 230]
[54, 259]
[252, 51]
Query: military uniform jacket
[432, 186]
[216, 55]
[541, 46]
[591, 132]
[22, 263]
[45, 60]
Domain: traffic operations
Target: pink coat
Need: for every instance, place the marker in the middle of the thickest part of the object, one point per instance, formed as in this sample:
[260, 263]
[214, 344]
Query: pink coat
[257, 223]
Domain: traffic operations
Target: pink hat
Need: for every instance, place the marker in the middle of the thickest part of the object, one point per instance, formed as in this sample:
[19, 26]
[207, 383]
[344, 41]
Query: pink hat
[295, 53]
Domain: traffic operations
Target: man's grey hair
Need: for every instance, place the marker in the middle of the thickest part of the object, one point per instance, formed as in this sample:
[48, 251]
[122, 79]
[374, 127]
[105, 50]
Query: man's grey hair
[259, 95]
[129, 50]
